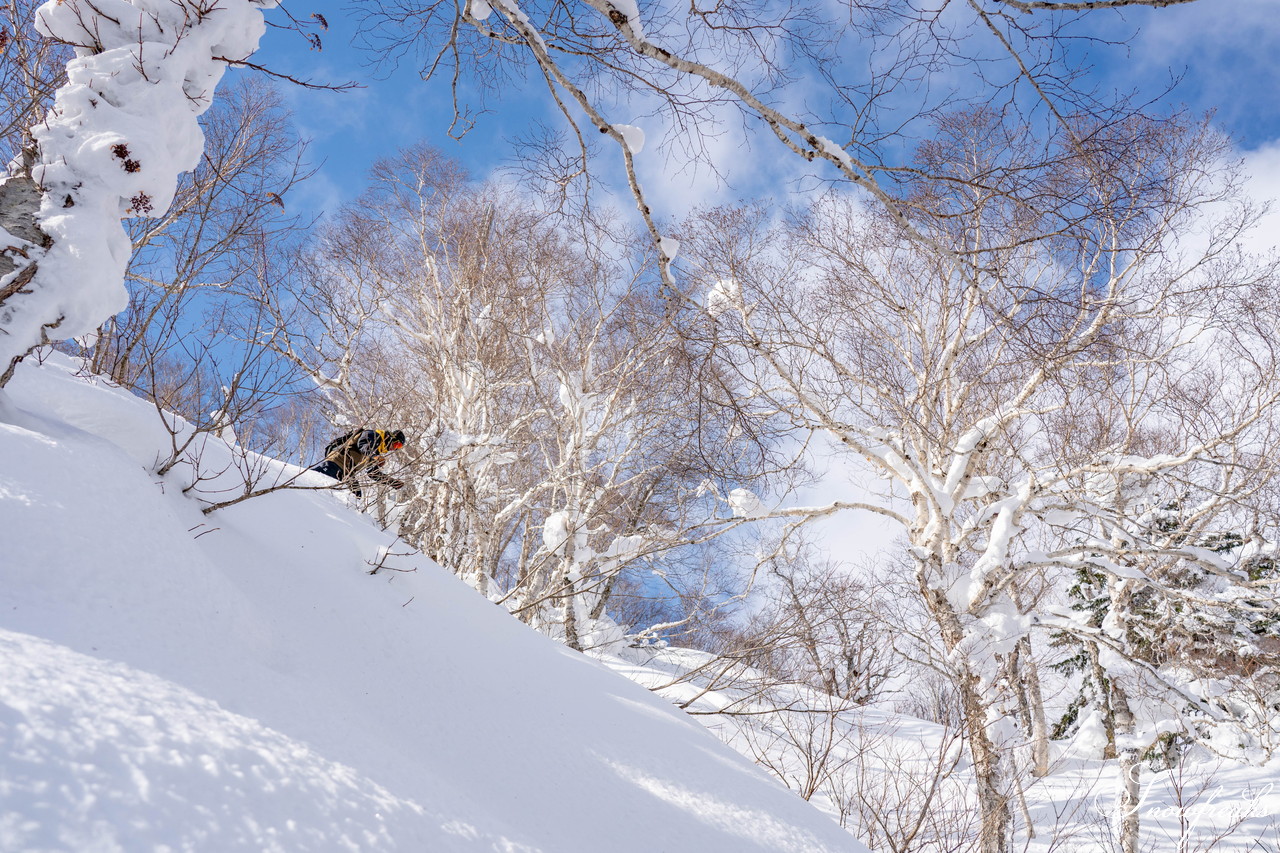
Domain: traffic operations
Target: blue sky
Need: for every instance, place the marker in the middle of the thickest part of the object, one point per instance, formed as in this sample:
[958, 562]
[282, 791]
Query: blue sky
[1226, 53]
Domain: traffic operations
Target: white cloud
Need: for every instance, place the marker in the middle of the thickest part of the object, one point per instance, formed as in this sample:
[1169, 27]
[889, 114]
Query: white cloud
[1263, 168]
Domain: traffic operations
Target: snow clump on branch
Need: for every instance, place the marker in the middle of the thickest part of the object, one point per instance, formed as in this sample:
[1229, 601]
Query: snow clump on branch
[725, 295]
[632, 136]
[120, 132]
[744, 503]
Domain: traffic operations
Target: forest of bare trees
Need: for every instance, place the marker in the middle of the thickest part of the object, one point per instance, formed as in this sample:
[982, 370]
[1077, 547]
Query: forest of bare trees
[1027, 310]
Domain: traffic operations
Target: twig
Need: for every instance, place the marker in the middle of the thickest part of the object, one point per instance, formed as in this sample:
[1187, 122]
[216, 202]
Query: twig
[306, 84]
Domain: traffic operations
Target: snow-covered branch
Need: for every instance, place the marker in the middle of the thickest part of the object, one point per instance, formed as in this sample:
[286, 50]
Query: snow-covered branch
[121, 130]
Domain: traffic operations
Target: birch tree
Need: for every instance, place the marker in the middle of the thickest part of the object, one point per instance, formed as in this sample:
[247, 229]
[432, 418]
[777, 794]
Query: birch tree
[1003, 375]
[1173, 644]
[31, 69]
[553, 415]
[209, 246]
[119, 132]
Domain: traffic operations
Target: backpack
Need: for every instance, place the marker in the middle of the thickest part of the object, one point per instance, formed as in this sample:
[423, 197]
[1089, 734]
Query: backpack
[341, 441]
[336, 445]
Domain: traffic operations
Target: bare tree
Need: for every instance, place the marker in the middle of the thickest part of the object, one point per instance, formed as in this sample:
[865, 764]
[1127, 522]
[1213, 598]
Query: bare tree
[228, 222]
[31, 69]
[556, 440]
[1010, 385]
[67, 198]
[822, 625]
[903, 795]
[852, 88]
[206, 283]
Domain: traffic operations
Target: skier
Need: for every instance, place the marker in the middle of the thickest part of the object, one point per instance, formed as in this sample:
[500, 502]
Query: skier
[361, 451]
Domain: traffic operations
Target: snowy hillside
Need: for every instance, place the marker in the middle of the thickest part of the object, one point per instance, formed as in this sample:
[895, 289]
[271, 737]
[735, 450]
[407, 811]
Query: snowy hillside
[902, 783]
[240, 681]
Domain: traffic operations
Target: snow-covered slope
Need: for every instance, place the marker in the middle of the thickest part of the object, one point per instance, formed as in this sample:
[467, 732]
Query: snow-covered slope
[240, 680]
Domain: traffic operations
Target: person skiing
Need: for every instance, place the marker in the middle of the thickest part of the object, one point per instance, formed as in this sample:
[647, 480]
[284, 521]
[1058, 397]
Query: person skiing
[361, 451]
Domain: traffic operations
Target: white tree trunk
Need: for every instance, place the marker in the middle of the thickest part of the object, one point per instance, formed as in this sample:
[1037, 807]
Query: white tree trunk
[1127, 802]
[993, 802]
[19, 204]
[1035, 702]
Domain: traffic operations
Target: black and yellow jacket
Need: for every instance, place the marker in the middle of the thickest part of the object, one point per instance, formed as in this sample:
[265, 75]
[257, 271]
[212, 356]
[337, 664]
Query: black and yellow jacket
[356, 452]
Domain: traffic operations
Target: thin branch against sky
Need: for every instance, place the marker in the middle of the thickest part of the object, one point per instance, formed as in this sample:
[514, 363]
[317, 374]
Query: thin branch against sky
[1214, 62]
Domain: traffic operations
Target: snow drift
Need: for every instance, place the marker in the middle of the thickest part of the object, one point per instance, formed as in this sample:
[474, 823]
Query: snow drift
[241, 681]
